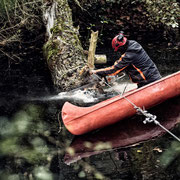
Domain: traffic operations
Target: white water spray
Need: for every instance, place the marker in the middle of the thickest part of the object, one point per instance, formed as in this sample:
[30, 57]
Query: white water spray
[78, 96]
[84, 96]
[81, 96]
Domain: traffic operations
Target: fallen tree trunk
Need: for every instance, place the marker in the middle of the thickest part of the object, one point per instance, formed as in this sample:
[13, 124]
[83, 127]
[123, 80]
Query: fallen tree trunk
[66, 59]
[63, 50]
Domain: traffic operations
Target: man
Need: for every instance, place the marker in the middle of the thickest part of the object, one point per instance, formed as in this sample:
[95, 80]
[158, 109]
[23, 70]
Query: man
[134, 60]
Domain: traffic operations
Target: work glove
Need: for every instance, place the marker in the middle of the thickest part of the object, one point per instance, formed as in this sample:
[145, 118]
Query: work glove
[92, 71]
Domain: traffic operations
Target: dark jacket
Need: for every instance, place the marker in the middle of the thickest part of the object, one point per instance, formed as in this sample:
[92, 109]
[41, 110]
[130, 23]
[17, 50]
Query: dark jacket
[136, 63]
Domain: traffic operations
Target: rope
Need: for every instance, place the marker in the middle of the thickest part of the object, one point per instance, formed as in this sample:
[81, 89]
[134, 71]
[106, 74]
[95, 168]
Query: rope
[158, 123]
[149, 117]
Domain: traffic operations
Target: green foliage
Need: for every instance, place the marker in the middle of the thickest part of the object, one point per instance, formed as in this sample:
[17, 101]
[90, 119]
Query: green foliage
[20, 11]
[42, 173]
[22, 125]
[26, 139]
[23, 138]
[171, 154]
[6, 6]
[164, 12]
[20, 19]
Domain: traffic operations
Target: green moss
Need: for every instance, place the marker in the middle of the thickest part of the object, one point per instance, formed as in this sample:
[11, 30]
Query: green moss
[56, 29]
[50, 49]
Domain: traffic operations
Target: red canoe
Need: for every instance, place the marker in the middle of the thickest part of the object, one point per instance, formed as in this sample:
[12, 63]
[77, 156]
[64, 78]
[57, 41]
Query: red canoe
[80, 120]
[126, 133]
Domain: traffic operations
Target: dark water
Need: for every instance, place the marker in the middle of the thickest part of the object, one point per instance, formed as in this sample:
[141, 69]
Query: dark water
[32, 148]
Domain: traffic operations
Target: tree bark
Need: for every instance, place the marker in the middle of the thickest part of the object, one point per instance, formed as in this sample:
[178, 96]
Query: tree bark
[63, 50]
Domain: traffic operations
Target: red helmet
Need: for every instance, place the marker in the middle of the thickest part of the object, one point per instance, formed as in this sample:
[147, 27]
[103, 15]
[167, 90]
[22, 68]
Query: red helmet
[118, 41]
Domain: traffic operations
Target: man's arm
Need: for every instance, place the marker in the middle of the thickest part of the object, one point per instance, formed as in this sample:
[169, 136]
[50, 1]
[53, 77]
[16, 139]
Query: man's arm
[118, 66]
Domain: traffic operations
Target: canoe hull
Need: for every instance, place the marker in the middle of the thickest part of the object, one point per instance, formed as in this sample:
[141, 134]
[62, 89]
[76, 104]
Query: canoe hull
[80, 120]
[126, 133]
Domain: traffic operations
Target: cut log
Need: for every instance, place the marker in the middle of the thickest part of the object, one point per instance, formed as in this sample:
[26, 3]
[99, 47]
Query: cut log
[100, 59]
[92, 49]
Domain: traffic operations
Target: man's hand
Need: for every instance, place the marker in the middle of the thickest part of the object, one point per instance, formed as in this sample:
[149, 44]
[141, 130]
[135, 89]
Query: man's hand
[92, 72]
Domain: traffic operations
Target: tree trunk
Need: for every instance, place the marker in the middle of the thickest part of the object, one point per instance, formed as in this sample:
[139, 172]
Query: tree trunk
[63, 50]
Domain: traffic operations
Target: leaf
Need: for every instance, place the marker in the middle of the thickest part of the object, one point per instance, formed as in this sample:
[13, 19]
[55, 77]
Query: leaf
[157, 149]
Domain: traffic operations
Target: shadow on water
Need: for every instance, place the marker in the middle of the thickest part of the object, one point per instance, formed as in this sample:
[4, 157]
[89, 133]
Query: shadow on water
[32, 148]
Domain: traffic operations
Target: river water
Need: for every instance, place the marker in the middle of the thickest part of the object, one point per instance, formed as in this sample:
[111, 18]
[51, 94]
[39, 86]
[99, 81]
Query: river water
[34, 143]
